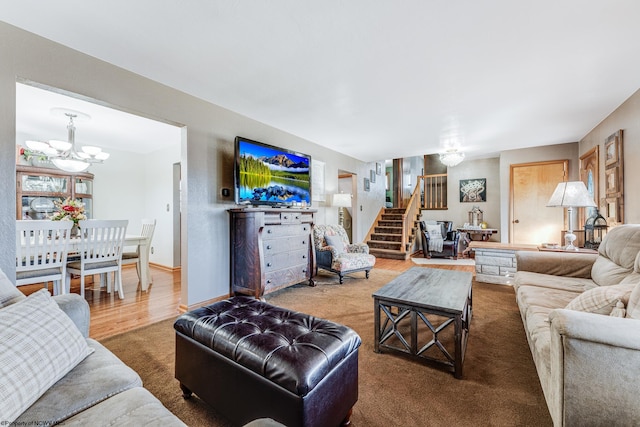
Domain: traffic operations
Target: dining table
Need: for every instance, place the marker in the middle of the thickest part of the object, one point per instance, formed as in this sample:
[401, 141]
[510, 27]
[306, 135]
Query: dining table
[129, 240]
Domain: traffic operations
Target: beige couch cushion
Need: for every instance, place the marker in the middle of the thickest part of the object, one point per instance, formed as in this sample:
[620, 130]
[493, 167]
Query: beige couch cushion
[618, 255]
[571, 284]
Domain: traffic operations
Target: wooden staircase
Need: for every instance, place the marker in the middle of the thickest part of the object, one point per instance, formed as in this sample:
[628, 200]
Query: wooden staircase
[386, 239]
[392, 234]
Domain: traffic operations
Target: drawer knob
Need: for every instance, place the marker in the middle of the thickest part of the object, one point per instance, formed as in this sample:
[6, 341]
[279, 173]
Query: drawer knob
[269, 281]
[269, 231]
[286, 217]
[304, 257]
[268, 246]
[268, 264]
[297, 217]
[304, 270]
[304, 228]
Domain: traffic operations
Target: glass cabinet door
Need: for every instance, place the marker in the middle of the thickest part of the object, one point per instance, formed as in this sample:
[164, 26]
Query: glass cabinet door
[83, 186]
[44, 184]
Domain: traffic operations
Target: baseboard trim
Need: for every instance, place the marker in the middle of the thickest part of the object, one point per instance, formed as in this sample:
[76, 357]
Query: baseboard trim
[184, 308]
[166, 268]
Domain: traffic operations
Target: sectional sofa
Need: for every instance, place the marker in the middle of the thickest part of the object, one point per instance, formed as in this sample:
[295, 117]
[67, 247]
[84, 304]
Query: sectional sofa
[52, 373]
[581, 314]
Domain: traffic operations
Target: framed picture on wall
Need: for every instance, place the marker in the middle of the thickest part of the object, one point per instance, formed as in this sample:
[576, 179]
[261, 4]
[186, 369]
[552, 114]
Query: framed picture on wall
[473, 190]
[613, 211]
[367, 185]
[372, 175]
[378, 168]
[611, 177]
[611, 150]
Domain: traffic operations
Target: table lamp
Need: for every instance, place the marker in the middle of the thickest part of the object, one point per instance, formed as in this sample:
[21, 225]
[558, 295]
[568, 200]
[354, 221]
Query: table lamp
[341, 200]
[571, 194]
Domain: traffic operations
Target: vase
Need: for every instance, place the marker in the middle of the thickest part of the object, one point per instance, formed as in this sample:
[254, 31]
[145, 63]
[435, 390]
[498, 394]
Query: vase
[75, 230]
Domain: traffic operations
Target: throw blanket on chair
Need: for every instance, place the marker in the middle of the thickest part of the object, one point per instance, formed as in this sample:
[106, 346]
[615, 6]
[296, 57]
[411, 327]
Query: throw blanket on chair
[436, 243]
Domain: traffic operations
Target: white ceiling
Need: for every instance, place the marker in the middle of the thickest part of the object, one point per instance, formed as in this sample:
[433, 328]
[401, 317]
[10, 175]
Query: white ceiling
[374, 79]
[107, 128]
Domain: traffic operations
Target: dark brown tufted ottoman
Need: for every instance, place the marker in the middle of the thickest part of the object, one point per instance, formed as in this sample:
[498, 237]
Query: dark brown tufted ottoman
[250, 359]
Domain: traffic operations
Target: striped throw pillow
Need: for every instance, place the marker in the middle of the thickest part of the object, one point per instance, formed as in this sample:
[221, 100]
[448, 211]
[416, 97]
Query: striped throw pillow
[39, 344]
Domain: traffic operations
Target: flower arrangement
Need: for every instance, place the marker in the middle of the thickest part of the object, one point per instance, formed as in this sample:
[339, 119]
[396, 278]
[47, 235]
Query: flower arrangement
[29, 155]
[69, 210]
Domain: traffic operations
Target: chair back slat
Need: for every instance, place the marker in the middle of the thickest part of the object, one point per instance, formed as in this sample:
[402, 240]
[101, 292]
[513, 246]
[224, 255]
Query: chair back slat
[41, 244]
[101, 240]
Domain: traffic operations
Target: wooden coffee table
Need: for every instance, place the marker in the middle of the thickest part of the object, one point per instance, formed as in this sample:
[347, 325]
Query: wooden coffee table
[419, 292]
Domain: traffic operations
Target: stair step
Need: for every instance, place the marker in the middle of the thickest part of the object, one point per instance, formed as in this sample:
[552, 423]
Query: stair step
[382, 223]
[391, 217]
[389, 237]
[395, 210]
[389, 254]
[388, 230]
[378, 244]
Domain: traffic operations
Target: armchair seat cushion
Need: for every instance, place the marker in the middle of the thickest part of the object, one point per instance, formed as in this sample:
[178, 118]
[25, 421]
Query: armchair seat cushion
[353, 261]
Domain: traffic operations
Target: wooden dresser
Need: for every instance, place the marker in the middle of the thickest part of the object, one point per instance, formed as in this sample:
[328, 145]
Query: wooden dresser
[271, 248]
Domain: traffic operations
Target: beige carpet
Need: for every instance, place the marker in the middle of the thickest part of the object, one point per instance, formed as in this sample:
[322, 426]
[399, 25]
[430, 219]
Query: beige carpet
[499, 387]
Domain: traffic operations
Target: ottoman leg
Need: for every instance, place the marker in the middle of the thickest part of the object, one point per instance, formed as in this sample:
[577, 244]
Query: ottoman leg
[186, 393]
[347, 419]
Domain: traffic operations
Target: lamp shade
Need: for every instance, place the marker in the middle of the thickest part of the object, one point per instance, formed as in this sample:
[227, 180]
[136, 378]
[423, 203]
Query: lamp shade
[571, 194]
[341, 200]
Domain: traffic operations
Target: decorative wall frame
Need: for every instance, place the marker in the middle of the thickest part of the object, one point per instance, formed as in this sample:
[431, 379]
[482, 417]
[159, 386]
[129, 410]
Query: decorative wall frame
[589, 174]
[378, 168]
[614, 178]
[611, 178]
[473, 190]
[367, 185]
[372, 175]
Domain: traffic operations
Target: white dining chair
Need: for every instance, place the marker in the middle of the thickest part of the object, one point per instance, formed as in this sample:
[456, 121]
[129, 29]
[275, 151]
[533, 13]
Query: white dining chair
[148, 227]
[41, 252]
[100, 252]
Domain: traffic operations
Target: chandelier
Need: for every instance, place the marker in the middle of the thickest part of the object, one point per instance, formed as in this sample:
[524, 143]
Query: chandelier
[451, 157]
[63, 154]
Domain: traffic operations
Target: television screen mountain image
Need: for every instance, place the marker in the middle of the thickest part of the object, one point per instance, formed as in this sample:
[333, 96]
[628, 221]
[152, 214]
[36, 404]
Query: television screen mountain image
[271, 175]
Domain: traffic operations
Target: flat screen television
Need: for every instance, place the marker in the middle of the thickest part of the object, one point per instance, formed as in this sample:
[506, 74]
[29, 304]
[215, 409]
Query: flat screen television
[270, 175]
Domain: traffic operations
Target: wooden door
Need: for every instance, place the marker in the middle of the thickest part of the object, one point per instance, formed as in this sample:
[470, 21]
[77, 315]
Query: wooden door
[532, 184]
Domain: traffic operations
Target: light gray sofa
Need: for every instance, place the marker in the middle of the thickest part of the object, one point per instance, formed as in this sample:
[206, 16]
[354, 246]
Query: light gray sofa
[588, 361]
[100, 390]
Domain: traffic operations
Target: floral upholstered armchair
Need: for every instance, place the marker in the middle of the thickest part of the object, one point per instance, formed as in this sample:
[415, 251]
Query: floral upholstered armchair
[336, 254]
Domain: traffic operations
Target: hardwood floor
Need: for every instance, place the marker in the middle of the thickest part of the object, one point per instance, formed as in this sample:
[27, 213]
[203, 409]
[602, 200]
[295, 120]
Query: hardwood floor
[111, 316]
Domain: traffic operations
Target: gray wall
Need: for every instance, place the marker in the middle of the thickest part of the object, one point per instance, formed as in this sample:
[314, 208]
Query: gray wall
[627, 118]
[459, 212]
[206, 159]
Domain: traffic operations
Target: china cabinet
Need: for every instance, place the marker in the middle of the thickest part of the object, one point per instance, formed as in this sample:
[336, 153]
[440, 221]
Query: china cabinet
[37, 189]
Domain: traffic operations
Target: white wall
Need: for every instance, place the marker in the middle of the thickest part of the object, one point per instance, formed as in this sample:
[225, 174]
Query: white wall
[135, 186]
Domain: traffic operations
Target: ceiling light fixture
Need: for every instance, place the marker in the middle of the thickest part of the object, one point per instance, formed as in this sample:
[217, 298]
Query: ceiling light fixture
[63, 154]
[451, 157]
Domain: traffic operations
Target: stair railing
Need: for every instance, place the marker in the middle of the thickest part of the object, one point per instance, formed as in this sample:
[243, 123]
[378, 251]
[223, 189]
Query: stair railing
[411, 214]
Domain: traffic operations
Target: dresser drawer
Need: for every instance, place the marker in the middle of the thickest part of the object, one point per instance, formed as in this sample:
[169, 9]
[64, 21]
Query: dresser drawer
[274, 231]
[286, 276]
[285, 244]
[284, 259]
